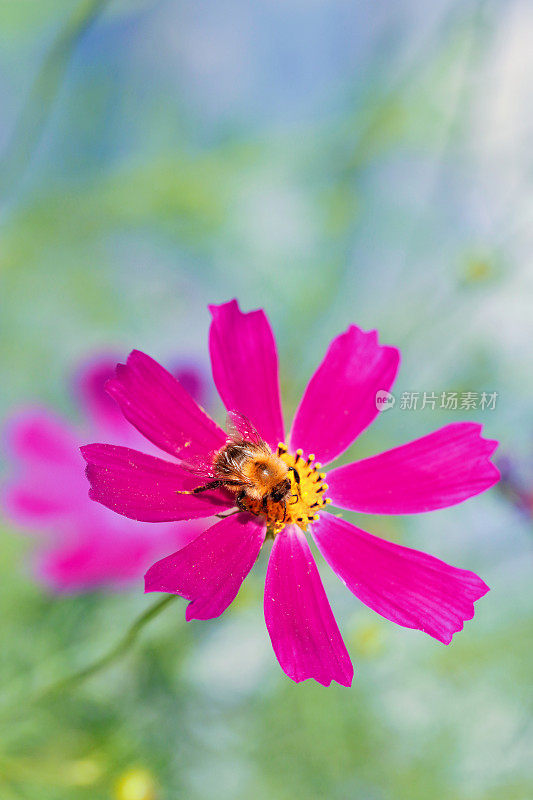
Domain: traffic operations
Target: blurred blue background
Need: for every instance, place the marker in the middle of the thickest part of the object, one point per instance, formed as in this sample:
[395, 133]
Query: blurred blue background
[332, 162]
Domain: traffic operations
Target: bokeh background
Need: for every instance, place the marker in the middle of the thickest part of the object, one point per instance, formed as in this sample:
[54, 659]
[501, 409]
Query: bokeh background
[332, 161]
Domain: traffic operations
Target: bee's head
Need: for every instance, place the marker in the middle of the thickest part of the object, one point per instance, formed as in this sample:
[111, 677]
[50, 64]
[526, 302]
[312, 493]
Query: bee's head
[281, 491]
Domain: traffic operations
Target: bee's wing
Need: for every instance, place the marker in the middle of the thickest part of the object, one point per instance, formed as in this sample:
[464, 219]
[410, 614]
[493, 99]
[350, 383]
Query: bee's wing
[239, 428]
[202, 466]
[199, 465]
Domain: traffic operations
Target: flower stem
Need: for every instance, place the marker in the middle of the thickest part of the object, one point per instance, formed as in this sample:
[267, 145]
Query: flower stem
[39, 103]
[117, 652]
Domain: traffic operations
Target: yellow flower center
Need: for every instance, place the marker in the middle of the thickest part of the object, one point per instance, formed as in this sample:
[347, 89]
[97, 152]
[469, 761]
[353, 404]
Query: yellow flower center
[308, 494]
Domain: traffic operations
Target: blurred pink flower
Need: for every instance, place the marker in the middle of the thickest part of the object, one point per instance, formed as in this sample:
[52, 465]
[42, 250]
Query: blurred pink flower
[85, 546]
[516, 483]
[438, 470]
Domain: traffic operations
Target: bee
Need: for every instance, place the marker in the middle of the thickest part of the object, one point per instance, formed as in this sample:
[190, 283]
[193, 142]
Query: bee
[247, 467]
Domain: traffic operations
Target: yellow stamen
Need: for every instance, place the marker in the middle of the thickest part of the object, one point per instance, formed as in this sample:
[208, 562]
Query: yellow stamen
[306, 498]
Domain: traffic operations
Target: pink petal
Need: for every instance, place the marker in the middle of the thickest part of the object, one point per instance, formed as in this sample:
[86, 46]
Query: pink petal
[36, 505]
[245, 367]
[193, 380]
[302, 628]
[406, 586]
[146, 488]
[210, 570]
[103, 412]
[440, 469]
[102, 549]
[40, 438]
[48, 481]
[99, 556]
[160, 408]
[340, 399]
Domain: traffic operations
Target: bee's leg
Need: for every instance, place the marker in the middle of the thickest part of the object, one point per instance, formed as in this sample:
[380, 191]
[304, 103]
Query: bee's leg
[205, 488]
[216, 484]
[296, 498]
[230, 514]
[238, 500]
[284, 503]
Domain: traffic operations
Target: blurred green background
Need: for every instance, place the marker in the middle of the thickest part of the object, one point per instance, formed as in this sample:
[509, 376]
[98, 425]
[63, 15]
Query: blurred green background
[332, 162]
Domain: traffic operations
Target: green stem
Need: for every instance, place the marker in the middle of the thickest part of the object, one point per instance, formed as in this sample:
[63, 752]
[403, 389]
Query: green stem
[39, 103]
[117, 652]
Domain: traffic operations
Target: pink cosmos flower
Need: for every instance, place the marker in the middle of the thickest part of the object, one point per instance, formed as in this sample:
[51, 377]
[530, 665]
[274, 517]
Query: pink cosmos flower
[85, 545]
[408, 587]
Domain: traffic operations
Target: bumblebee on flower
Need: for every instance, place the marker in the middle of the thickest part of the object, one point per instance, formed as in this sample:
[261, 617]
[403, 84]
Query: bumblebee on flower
[261, 485]
[280, 487]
